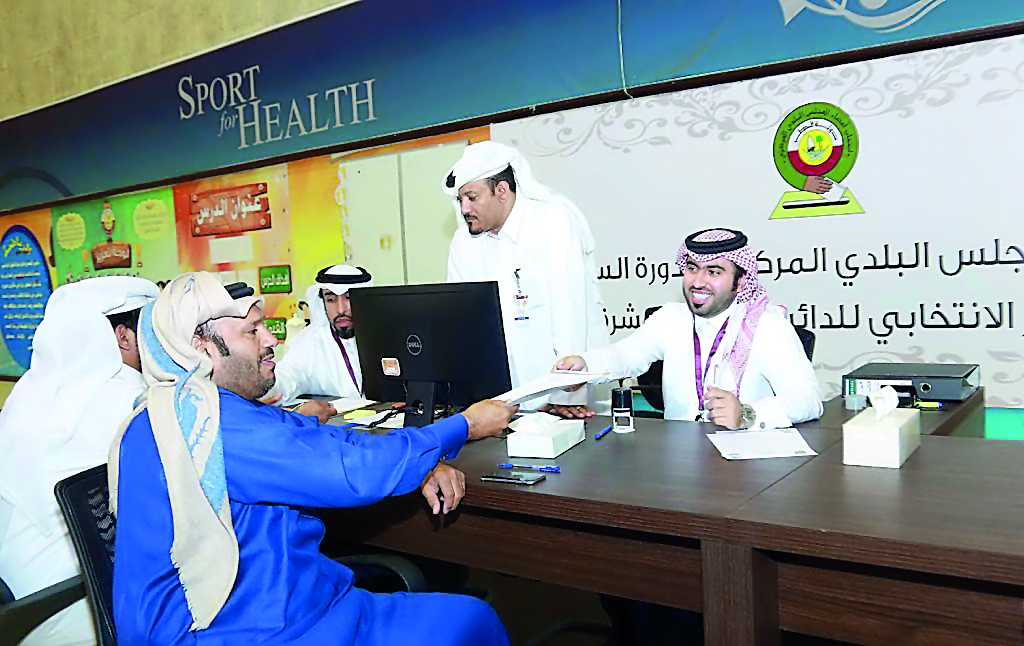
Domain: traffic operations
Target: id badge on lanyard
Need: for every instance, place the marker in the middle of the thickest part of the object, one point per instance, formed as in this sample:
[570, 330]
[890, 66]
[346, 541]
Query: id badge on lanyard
[699, 375]
[520, 300]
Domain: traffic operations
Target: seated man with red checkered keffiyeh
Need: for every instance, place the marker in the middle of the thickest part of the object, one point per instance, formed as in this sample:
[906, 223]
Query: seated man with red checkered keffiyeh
[730, 357]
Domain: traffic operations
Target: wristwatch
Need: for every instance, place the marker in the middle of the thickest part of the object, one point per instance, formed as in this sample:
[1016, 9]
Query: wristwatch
[747, 416]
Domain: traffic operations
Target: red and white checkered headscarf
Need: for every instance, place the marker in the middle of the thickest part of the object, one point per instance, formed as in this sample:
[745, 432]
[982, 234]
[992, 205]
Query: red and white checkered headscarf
[732, 246]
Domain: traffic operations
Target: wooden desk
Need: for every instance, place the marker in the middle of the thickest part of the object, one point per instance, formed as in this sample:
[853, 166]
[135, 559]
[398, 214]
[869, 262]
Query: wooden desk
[932, 553]
[659, 516]
[962, 419]
[628, 516]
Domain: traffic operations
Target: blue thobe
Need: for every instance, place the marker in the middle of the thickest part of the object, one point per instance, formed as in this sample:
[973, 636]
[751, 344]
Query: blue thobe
[286, 592]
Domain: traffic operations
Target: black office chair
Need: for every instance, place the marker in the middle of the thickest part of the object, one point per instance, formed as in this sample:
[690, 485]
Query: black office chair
[650, 381]
[19, 617]
[807, 339]
[84, 499]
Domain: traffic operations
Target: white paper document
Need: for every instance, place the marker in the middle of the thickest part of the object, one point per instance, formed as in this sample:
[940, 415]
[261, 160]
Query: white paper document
[549, 383]
[396, 421]
[345, 404]
[750, 445]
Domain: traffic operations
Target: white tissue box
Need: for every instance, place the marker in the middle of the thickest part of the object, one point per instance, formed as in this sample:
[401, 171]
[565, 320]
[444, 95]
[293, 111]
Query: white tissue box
[869, 441]
[539, 435]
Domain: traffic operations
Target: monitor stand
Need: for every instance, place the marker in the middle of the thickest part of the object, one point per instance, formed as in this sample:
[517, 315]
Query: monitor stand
[420, 397]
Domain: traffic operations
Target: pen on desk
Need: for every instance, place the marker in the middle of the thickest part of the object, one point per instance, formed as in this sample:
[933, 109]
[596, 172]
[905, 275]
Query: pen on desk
[602, 433]
[929, 405]
[531, 467]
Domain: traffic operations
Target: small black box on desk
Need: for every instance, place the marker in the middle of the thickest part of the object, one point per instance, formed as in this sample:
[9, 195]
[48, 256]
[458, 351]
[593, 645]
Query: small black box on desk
[952, 382]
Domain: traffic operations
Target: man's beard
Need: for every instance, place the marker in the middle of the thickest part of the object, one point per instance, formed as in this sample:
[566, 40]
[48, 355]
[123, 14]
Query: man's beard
[265, 384]
[473, 222]
[241, 378]
[344, 332]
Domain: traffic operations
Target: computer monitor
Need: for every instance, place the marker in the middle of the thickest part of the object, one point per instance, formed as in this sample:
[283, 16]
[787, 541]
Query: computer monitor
[430, 345]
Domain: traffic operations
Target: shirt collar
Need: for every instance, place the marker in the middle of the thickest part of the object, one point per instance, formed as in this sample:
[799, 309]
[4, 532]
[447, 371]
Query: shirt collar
[131, 373]
[711, 325]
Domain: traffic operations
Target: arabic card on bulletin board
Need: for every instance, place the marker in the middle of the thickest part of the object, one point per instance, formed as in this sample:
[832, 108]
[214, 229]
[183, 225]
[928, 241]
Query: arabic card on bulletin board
[121, 235]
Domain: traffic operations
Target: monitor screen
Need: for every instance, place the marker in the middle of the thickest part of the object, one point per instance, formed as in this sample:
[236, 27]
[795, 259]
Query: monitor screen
[430, 345]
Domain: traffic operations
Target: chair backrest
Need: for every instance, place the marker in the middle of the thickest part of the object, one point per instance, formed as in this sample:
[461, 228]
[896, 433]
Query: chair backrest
[650, 381]
[84, 499]
[6, 596]
[807, 339]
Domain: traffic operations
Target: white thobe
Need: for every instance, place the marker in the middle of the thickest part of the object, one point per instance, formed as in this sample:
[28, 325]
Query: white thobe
[538, 253]
[779, 382]
[313, 364]
[33, 557]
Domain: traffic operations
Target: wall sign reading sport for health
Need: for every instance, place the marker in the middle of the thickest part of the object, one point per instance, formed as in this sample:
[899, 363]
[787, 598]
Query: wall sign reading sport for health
[301, 88]
[815, 148]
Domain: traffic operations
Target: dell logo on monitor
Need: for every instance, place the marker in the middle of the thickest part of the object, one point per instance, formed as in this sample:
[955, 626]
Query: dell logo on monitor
[413, 344]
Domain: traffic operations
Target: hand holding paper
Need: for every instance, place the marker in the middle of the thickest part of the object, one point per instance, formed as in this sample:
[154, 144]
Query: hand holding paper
[548, 383]
[573, 362]
[488, 418]
[834, 193]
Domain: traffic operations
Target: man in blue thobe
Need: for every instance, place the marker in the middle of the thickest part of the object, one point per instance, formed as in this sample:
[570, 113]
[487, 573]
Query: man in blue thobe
[208, 487]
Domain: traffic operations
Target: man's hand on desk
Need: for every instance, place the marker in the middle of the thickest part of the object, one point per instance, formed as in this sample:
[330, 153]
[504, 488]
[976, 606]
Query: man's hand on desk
[574, 362]
[723, 407]
[568, 412]
[488, 418]
[321, 410]
[452, 484]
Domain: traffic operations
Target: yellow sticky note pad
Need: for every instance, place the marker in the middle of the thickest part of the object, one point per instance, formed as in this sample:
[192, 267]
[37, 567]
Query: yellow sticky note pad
[358, 414]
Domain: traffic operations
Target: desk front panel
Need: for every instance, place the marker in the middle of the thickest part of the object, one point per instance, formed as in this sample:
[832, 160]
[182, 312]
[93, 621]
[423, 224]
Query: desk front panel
[638, 565]
[955, 508]
[932, 553]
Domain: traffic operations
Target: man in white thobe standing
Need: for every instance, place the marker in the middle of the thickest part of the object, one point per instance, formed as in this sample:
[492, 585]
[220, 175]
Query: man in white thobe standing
[58, 421]
[538, 247]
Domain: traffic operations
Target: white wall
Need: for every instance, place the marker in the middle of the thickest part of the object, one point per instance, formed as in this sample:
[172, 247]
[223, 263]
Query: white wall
[942, 148]
[399, 221]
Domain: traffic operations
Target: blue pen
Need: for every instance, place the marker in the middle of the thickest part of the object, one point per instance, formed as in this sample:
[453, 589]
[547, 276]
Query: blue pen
[530, 467]
[601, 434]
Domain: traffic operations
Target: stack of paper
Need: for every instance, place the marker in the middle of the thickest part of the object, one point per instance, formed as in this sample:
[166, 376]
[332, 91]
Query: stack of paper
[346, 404]
[549, 383]
[749, 445]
